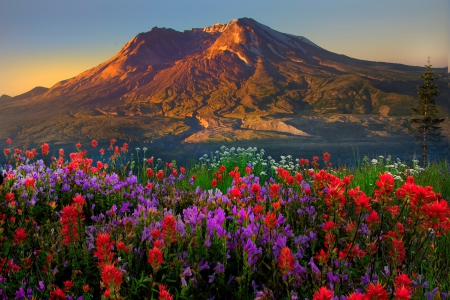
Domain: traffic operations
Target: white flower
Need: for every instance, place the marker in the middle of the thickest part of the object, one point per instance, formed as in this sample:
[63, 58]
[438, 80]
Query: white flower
[145, 149]
[374, 161]
[138, 149]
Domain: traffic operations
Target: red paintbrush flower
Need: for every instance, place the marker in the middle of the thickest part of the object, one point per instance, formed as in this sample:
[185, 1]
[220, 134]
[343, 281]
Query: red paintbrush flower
[169, 229]
[57, 294]
[164, 294]
[323, 294]
[376, 292]
[155, 258]
[111, 275]
[103, 252]
[20, 236]
[45, 149]
[402, 293]
[271, 220]
[286, 261]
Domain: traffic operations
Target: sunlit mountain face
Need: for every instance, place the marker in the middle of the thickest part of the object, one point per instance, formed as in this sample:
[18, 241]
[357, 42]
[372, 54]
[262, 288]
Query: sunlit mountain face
[240, 82]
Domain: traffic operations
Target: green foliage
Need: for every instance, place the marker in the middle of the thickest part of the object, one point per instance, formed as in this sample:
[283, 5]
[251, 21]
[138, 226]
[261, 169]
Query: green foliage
[427, 124]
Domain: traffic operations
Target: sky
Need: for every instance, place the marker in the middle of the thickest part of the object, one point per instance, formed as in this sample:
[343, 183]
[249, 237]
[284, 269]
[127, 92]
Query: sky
[45, 41]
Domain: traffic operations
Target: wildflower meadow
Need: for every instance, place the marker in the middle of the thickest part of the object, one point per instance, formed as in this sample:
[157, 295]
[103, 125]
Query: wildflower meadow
[232, 225]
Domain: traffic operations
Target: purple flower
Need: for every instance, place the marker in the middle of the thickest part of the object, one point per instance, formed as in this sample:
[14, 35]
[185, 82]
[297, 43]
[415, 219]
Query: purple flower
[20, 294]
[203, 265]
[187, 272]
[41, 286]
[192, 215]
[211, 278]
[125, 208]
[252, 252]
[183, 281]
[313, 266]
[219, 268]
[430, 295]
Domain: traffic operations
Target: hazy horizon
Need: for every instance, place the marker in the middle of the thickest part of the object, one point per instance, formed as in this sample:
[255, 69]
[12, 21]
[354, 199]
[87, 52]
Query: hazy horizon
[48, 41]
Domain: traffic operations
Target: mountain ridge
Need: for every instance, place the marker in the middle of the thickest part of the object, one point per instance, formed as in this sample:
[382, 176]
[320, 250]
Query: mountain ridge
[233, 72]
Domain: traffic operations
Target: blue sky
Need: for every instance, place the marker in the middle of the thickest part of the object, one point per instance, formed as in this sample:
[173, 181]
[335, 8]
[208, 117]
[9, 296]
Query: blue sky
[46, 41]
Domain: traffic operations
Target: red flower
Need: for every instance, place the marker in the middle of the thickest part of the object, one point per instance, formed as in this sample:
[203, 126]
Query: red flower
[20, 236]
[256, 189]
[164, 294]
[94, 143]
[103, 252]
[111, 275]
[57, 294]
[45, 149]
[298, 178]
[276, 206]
[328, 226]
[150, 172]
[155, 258]
[213, 183]
[376, 292]
[373, 217]
[6, 151]
[121, 246]
[322, 256]
[78, 202]
[354, 296]
[257, 209]
[78, 145]
[86, 288]
[29, 154]
[323, 294]
[169, 229]
[402, 280]
[9, 197]
[398, 252]
[303, 162]
[286, 261]
[274, 190]
[362, 202]
[385, 188]
[158, 244]
[29, 182]
[402, 293]
[70, 218]
[67, 285]
[8, 141]
[236, 192]
[271, 220]
[101, 151]
[160, 175]
[326, 157]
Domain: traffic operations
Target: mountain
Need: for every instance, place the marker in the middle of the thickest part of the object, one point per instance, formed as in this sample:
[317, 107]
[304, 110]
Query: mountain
[5, 97]
[164, 84]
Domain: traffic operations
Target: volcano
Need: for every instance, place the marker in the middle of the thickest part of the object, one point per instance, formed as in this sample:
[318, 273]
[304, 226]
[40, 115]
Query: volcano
[226, 82]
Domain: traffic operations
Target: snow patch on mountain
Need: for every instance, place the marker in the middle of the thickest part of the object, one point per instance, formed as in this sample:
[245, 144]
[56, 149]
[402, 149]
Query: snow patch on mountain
[241, 57]
[274, 51]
